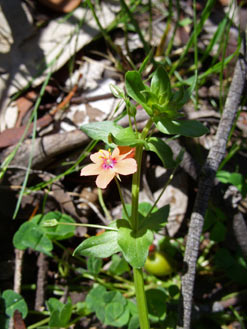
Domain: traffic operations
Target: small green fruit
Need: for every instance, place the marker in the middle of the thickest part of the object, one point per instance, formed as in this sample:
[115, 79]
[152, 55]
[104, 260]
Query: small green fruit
[158, 264]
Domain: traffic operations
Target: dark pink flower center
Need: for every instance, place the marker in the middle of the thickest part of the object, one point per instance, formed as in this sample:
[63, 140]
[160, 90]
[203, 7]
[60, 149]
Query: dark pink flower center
[109, 163]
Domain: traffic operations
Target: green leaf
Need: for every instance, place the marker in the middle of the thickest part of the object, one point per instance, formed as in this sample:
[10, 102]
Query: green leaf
[186, 21]
[13, 302]
[58, 232]
[110, 307]
[118, 265]
[162, 150]
[223, 176]
[30, 235]
[134, 322]
[101, 130]
[156, 302]
[96, 303]
[235, 179]
[114, 296]
[102, 246]
[94, 265]
[134, 86]
[132, 307]
[181, 97]
[94, 298]
[126, 136]
[117, 91]
[173, 290]
[136, 89]
[131, 108]
[188, 128]
[116, 315]
[160, 85]
[134, 245]
[82, 309]
[35, 235]
[157, 219]
[116, 312]
[60, 313]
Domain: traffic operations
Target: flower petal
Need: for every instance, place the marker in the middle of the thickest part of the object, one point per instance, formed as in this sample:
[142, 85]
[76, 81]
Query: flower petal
[91, 169]
[127, 151]
[115, 152]
[104, 178]
[126, 167]
[96, 157]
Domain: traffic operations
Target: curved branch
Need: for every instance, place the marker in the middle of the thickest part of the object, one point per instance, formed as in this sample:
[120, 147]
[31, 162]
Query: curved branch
[206, 183]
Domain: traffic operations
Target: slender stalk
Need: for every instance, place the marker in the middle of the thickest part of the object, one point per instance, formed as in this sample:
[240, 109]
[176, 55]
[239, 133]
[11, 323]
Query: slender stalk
[50, 223]
[137, 177]
[134, 22]
[136, 188]
[121, 198]
[38, 324]
[103, 206]
[137, 272]
[141, 298]
[146, 129]
[195, 51]
[164, 188]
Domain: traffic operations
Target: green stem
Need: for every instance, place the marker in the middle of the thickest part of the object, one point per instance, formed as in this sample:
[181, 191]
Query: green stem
[147, 128]
[162, 192]
[47, 224]
[136, 188]
[38, 324]
[137, 28]
[103, 206]
[121, 198]
[137, 272]
[137, 177]
[141, 298]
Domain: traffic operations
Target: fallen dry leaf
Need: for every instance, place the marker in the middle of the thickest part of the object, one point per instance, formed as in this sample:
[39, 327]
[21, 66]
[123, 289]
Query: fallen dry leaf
[24, 104]
[61, 5]
[12, 136]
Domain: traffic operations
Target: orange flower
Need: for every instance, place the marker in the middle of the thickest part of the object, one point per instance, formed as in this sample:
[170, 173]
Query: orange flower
[107, 165]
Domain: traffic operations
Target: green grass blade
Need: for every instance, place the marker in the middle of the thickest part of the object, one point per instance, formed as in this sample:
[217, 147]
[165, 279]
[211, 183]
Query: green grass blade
[205, 14]
[72, 169]
[195, 52]
[134, 22]
[34, 115]
[216, 37]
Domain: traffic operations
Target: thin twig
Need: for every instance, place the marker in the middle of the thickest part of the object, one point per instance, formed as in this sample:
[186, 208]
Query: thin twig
[95, 209]
[17, 277]
[18, 270]
[41, 281]
[206, 183]
[240, 232]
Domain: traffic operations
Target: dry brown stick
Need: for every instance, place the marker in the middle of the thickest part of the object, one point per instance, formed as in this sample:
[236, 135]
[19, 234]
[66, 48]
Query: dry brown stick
[47, 147]
[17, 277]
[240, 232]
[18, 270]
[41, 281]
[206, 183]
